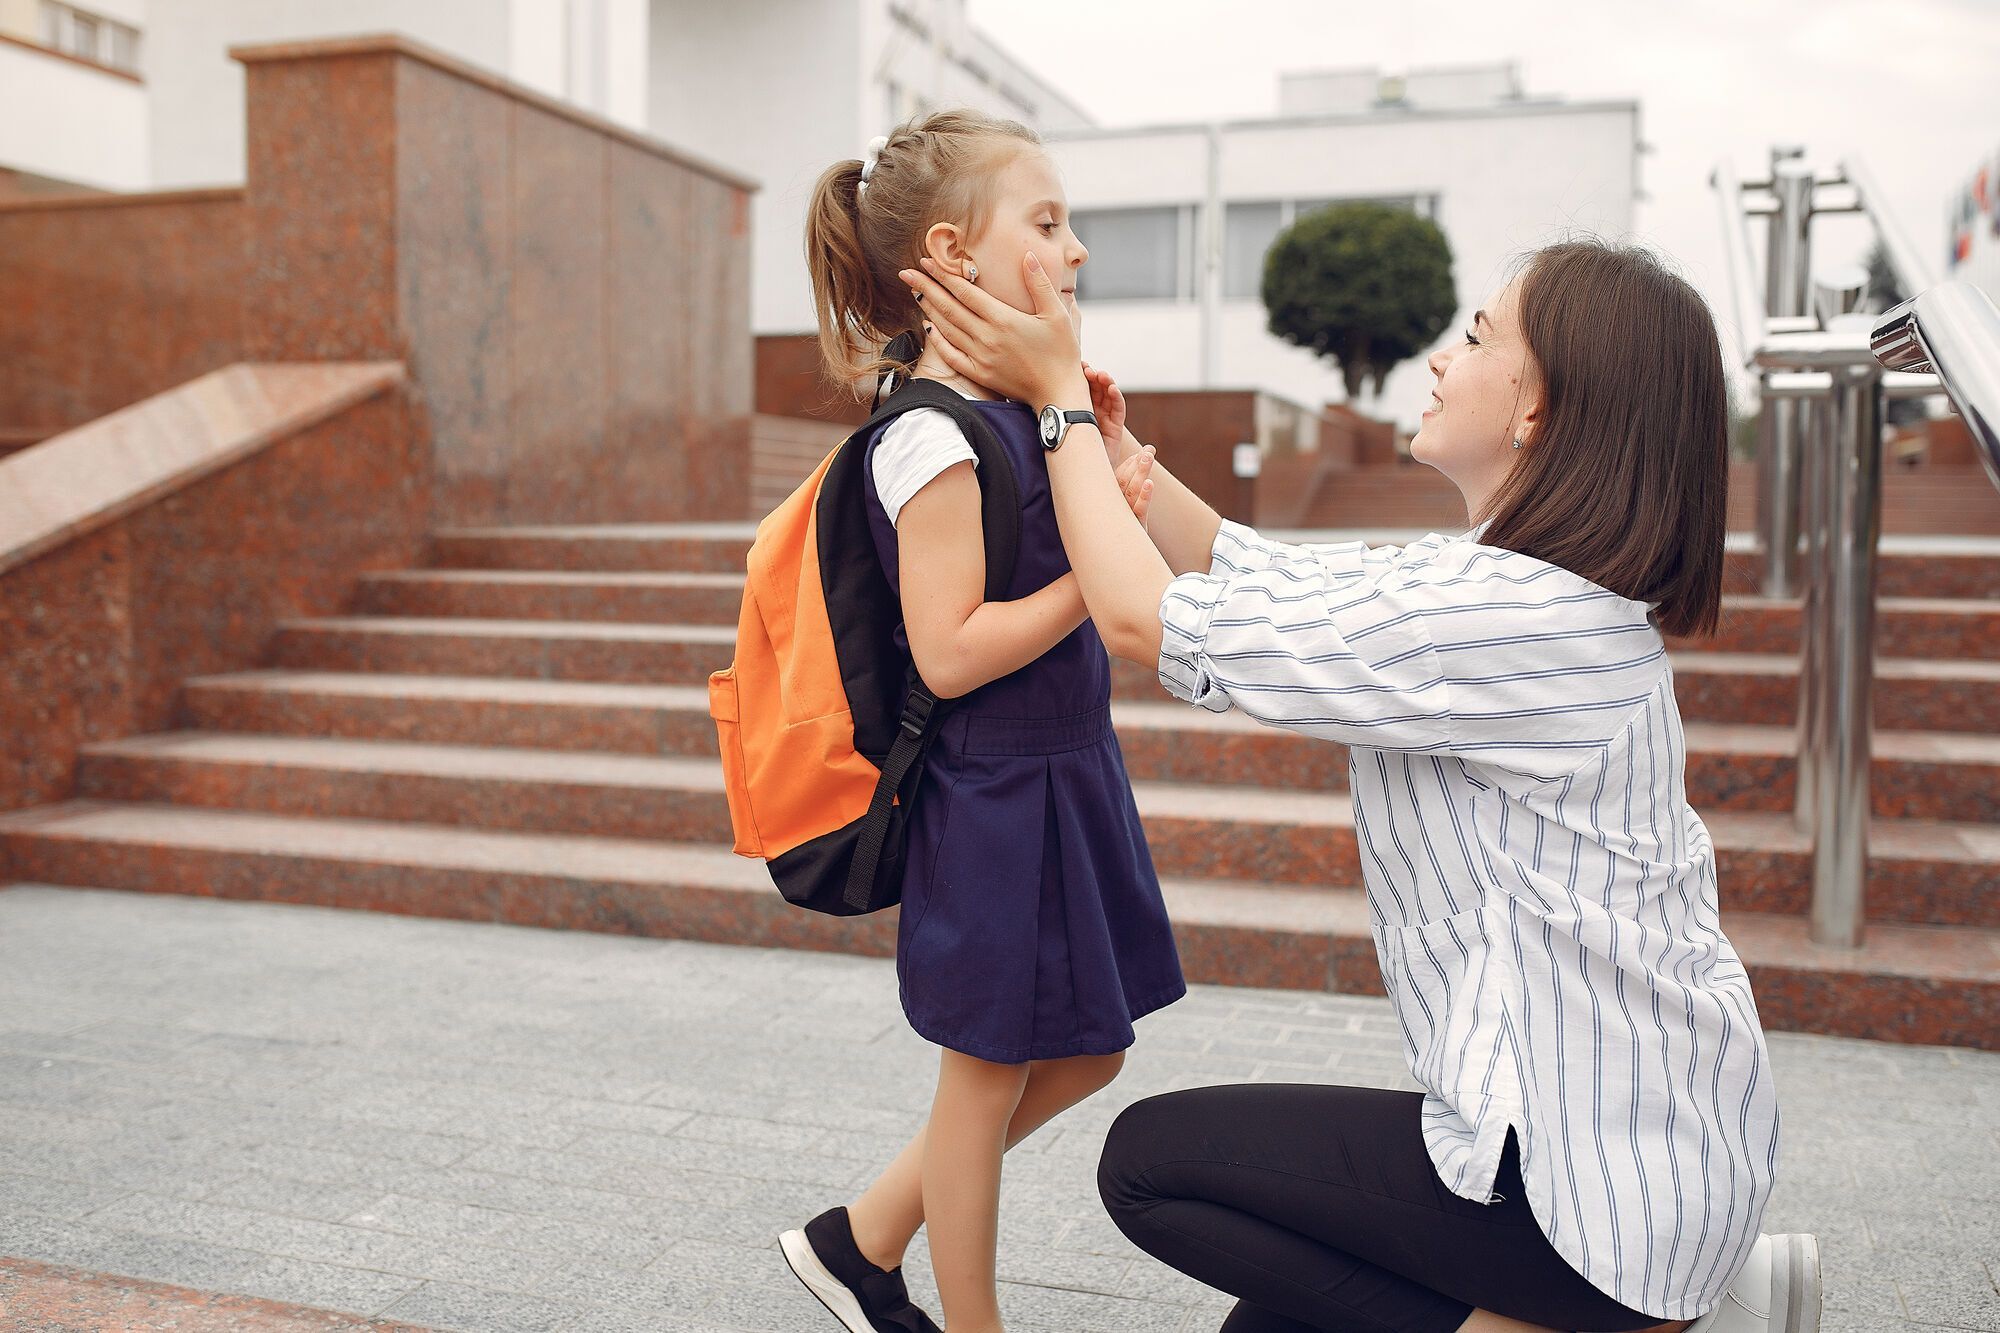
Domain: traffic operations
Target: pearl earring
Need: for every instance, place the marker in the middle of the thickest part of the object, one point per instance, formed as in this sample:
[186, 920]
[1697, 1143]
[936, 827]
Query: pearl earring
[972, 273]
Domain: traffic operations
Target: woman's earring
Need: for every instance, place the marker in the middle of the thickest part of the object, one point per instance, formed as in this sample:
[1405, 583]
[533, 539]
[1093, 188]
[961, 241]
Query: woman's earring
[1517, 444]
[972, 272]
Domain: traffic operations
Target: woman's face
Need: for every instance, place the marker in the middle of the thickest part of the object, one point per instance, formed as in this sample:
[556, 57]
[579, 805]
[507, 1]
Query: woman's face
[1030, 213]
[1487, 395]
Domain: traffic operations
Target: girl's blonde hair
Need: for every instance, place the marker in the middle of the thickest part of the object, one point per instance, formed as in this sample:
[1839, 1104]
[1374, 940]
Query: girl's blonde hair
[938, 168]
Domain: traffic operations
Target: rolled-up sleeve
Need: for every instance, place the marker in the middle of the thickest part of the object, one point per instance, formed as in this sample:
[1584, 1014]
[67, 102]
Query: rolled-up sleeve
[1443, 647]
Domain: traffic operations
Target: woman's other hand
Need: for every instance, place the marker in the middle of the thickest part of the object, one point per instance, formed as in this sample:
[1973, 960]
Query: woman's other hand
[1135, 481]
[1029, 356]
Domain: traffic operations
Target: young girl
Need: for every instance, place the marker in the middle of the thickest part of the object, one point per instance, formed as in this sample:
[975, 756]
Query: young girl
[1598, 1133]
[1032, 932]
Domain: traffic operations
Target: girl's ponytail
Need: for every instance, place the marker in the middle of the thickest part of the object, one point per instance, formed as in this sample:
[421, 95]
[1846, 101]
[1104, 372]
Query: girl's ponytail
[937, 169]
[845, 301]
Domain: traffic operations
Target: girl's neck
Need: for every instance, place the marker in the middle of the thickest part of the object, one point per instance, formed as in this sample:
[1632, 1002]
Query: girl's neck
[931, 366]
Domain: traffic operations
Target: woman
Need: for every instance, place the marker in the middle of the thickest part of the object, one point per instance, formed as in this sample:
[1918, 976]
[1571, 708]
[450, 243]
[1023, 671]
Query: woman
[1598, 1134]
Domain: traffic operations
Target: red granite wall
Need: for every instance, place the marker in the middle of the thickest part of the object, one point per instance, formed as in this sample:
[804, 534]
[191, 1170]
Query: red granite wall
[572, 299]
[108, 299]
[97, 635]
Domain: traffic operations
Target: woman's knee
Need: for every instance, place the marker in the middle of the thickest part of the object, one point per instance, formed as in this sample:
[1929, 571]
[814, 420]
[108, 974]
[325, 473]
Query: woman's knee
[1142, 1136]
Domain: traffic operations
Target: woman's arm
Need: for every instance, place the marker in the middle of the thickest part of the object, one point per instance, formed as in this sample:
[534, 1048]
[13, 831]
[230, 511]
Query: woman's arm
[961, 641]
[1035, 359]
[1182, 525]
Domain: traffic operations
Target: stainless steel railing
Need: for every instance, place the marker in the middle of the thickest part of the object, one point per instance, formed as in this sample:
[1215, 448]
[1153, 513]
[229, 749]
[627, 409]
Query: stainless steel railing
[1822, 374]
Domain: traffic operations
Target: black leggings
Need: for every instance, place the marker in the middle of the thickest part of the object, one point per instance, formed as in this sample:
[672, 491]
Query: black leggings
[1318, 1207]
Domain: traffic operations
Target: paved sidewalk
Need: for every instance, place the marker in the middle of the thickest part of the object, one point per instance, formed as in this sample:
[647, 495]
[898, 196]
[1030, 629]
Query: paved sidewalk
[490, 1128]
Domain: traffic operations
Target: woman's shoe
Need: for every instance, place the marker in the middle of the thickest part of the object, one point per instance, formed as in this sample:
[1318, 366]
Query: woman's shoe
[1777, 1290]
[864, 1298]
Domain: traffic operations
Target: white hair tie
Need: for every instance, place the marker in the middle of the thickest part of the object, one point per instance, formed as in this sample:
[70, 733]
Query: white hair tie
[869, 157]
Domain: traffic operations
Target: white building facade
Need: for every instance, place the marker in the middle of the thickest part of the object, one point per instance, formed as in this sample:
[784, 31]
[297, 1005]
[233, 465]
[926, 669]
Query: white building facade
[1178, 218]
[141, 94]
[782, 89]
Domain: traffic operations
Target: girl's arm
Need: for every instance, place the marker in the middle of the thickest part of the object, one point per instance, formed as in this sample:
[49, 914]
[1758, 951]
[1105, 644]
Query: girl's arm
[960, 640]
[1122, 575]
[1183, 526]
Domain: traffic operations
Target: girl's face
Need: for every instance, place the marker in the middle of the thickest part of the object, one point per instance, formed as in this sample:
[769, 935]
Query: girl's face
[1488, 394]
[1030, 213]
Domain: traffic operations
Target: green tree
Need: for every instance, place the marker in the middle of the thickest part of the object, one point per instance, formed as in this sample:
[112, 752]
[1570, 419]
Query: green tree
[1364, 285]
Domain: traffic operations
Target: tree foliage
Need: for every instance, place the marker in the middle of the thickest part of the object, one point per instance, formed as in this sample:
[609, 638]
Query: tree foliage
[1364, 285]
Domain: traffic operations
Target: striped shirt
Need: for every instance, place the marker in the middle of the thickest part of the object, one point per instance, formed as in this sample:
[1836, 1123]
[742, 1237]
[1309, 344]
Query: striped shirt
[1542, 897]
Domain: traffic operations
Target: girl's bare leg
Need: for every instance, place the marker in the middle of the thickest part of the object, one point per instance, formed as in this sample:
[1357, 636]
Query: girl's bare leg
[963, 1142]
[886, 1217]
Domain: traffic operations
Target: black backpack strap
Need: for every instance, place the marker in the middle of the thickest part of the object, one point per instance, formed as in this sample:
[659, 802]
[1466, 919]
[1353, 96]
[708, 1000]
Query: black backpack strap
[999, 488]
[923, 712]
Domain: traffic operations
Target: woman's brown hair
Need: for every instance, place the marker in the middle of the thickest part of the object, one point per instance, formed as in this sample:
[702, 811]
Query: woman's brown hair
[1626, 479]
[938, 168]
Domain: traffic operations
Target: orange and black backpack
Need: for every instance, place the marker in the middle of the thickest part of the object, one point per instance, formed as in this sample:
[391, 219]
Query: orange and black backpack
[822, 720]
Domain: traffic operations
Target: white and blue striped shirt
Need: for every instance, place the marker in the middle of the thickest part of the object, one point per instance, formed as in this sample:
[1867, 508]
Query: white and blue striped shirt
[1543, 898]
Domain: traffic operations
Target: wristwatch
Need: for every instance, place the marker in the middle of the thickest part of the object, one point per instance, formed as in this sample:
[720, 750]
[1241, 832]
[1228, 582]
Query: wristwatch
[1055, 424]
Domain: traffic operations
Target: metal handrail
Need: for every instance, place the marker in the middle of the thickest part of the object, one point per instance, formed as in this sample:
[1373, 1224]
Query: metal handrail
[1913, 273]
[1823, 391]
[1739, 260]
[1953, 331]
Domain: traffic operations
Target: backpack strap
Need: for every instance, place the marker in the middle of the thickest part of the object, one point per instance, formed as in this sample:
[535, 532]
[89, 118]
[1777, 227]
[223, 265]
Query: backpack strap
[923, 712]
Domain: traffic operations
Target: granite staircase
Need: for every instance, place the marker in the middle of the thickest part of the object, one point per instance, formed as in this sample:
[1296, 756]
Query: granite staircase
[518, 732]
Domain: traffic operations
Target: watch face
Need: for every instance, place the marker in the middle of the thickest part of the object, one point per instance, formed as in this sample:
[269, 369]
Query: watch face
[1051, 426]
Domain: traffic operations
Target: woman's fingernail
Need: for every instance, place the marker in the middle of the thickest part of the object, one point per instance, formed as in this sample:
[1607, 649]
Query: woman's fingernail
[926, 262]
[1033, 262]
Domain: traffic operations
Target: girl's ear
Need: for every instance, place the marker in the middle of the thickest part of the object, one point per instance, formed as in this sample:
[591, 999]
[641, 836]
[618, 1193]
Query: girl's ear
[945, 244]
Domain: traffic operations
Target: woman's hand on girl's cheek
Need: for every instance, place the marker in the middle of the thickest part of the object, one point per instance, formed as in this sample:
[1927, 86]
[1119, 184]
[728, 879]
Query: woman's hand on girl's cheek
[1030, 356]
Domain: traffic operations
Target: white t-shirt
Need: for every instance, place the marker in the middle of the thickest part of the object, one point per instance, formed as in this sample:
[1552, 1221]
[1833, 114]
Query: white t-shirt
[916, 447]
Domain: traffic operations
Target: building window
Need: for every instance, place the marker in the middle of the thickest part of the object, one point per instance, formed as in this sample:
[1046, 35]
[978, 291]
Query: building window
[1249, 229]
[87, 36]
[1247, 232]
[1137, 254]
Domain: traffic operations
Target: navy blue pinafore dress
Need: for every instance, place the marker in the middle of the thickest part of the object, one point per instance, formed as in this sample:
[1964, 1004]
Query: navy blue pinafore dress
[1032, 923]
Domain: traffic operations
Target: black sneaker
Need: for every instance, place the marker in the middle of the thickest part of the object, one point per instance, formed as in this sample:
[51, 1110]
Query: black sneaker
[864, 1298]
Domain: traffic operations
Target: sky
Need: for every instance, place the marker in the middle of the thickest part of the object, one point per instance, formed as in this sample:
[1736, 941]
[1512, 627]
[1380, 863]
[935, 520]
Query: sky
[1910, 86]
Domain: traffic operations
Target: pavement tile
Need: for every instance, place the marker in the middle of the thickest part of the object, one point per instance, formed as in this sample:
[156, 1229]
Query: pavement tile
[490, 1128]
[325, 1286]
[445, 1306]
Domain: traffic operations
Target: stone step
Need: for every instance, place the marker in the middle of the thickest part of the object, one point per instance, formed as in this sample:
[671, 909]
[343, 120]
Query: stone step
[1922, 627]
[538, 649]
[1906, 626]
[1912, 566]
[1921, 871]
[1928, 775]
[667, 547]
[695, 599]
[1909, 983]
[1761, 689]
[1744, 688]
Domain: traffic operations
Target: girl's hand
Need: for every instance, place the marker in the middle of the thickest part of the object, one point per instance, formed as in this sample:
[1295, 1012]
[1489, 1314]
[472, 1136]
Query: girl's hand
[1108, 402]
[1030, 357]
[1135, 481]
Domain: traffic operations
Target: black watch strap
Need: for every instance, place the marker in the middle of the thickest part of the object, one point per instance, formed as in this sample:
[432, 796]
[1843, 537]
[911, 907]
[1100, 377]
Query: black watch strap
[1069, 418]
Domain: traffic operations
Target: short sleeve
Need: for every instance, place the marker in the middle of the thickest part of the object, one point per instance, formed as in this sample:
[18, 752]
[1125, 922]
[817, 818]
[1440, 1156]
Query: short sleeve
[1449, 648]
[914, 449]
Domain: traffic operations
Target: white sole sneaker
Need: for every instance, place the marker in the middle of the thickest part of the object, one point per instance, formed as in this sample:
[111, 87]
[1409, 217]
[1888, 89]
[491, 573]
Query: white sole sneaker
[1795, 1285]
[825, 1287]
